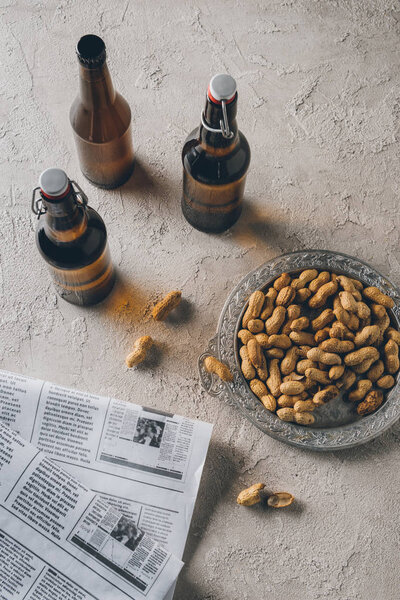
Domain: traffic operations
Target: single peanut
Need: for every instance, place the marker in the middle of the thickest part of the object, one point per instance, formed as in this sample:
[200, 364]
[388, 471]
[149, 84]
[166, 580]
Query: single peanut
[319, 281]
[304, 278]
[245, 335]
[164, 307]
[285, 401]
[255, 353]
[346, 283]
[318, 375]
[255, 305]
[325, 395]
[393, 334]
[386, 382]
[391, 359]
[304, 406]
[367, 336]
[275, 353]
[372, 293]
[251, 495]
[372, 401]
[302, 350]
[347, 380]
[279, 341]
[363, 366]
[274, 323]
[326, 317]
[286, 414]
[337, 346]
[292, 388]
[280, 500]
[213, 365]
[263, 340]
[362, 388]
[140, 348]
[289, 362]
[255, 326]
[376, 371]
[358, 356]
[285, 296]
[262, 371]
[300, 324]
[321, 335]
[348, 301]
[274, 380]
[363, 311]
[305, 364]
[327, 358]
[247, 368]
[304, 418]
[336, 372]
[322, 294]
[302, 338]
[268, 305]
[282, 281]
[302, 295]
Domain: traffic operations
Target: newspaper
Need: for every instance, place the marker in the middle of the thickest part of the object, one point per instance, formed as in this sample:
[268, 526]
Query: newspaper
[60, 540]
[146, 464]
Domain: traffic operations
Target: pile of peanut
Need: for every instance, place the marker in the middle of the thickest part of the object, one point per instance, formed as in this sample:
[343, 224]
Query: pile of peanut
[312, 336]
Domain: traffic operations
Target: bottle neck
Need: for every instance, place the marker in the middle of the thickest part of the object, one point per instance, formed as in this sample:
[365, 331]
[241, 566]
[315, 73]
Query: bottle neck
[95, 87]
[65, 220]
[213, 116]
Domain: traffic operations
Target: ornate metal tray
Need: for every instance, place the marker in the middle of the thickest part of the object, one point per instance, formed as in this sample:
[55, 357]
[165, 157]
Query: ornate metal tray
[337, 425]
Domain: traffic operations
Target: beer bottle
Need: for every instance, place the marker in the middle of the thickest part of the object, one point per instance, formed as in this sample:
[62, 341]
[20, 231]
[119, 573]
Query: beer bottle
[72, 239]
[101, 119]
[216, 157]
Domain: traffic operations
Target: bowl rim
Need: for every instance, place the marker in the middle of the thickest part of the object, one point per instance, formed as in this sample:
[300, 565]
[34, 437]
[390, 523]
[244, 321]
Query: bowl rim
[333, 438]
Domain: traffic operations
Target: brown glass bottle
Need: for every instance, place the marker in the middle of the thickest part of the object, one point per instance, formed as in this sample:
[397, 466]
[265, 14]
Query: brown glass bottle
[216, 157]
[101, 119]
[72, 238]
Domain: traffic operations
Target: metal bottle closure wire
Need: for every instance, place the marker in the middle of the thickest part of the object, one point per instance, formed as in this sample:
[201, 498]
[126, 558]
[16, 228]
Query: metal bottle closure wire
[224, 124]
[37, 202]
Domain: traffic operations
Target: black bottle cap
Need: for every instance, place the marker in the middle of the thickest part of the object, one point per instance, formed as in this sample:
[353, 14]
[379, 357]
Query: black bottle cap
[91, 51]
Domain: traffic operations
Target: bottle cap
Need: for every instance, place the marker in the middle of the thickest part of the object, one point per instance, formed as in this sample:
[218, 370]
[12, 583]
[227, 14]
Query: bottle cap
[53, 182]
[222, 87]
[91, 51]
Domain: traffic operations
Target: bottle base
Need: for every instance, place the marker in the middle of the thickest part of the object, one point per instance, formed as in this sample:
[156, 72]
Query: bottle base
[210, 223]
[88, 298]
[112, 186]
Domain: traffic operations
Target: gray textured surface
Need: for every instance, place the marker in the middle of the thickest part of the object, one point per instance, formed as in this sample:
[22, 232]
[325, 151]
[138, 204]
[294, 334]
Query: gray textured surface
[319, 103]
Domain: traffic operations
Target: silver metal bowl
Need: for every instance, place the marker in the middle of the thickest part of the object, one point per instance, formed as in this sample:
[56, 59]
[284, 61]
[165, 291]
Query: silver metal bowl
[337, 424]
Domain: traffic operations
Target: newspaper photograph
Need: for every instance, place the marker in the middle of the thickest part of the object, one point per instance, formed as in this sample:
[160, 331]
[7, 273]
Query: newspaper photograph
[55, 529]
[147, 464]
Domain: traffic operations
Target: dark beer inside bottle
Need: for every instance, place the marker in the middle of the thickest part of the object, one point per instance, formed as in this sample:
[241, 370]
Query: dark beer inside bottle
[214, 171]
[73, 241]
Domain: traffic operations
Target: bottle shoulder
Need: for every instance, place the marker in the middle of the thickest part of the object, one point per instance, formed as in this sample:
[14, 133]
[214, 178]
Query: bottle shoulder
[103, 124]
[82, 251]
[214, 165]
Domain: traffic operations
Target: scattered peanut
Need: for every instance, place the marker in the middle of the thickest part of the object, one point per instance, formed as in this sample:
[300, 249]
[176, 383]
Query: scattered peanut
[251, 495]
[280, 500]
[140, 348]
[213, 365]
[164, 307]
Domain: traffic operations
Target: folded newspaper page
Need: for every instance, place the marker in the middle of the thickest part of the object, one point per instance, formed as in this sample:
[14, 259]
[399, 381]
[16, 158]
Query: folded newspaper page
[145, 463]
[60, 540]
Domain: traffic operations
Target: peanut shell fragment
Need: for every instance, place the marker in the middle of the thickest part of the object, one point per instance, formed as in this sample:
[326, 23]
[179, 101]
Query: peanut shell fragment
[251, 495]
[280, 500]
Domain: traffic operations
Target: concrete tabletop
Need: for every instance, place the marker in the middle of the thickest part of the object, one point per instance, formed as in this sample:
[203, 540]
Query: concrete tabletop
[319, 103]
